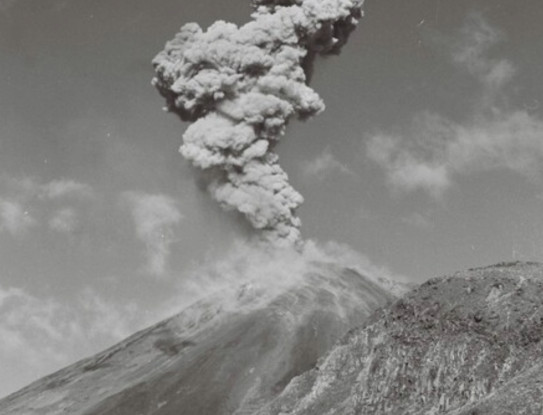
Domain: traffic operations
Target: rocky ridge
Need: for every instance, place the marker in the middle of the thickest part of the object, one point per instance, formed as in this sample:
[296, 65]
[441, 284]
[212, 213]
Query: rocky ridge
[466, 344]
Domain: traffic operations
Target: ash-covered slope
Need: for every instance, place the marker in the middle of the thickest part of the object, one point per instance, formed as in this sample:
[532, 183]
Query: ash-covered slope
[465, 344]
[229, 354]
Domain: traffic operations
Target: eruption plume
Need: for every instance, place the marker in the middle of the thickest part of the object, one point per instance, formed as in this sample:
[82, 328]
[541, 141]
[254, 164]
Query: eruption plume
[240, 86]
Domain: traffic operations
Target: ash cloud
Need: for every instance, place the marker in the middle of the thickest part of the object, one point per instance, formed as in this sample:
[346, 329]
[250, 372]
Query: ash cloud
[240, 86]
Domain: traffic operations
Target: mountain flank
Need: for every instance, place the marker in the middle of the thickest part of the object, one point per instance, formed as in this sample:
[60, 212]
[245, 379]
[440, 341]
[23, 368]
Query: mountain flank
[330, 342]
[469, 344]
[231, 353]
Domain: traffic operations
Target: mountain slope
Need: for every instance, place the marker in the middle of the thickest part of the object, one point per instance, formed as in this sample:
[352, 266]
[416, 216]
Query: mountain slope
[229, 354]
[464, 344]
[523, 395]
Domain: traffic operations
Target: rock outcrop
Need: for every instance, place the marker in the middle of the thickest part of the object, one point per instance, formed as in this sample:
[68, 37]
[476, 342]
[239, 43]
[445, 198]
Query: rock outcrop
[466, 344]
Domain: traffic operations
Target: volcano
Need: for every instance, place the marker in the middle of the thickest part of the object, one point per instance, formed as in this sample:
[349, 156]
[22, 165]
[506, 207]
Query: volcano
[231, 353]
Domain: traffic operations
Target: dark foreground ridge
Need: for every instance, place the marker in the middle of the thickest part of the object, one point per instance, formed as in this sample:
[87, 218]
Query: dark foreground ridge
[230, 354]
[466, 344]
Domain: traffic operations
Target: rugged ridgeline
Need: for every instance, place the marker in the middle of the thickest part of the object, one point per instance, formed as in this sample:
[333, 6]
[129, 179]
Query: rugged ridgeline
[467, 344]
[230, 354]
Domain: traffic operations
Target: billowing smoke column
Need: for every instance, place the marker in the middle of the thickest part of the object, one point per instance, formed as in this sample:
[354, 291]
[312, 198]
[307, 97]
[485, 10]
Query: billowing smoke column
[240, 86]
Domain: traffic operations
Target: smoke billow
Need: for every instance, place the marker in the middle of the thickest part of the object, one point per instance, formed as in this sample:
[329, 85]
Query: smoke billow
[240, 86]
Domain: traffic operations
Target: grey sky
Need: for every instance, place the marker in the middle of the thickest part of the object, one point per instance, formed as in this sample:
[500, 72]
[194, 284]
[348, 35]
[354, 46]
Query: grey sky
[86, 149]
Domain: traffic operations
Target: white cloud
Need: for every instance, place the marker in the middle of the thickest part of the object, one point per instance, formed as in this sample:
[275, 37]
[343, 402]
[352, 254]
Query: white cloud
[14, 218]
[418, 220]
[512, 141]
[154, 216]
[40, 335]
[29, 188]
[65, 188]
[323, 165]
[22, 195]
[408, 169]
[471, 49]
[64, 220]
[434, 148]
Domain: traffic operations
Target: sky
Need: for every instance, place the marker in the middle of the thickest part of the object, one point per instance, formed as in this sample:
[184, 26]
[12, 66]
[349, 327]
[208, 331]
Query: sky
[427, 160]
